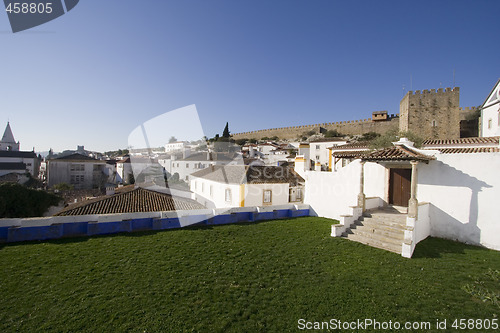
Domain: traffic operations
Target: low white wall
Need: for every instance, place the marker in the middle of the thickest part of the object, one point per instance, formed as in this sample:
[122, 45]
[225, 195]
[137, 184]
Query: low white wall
[330, 194]
[463, 190]
[185, 216]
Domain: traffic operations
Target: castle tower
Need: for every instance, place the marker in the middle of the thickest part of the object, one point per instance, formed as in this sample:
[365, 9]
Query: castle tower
[8, 142]
[431, 114]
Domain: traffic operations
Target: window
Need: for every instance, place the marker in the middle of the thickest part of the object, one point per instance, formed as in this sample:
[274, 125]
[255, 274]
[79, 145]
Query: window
[195, 185]
[317, 157]
[317, 147]
[434, 123]
[77, 167]
[77, 179]
[267, 196]
[187, 165]
[228, 194]
[211, 191]
[490, 123]
[202, 187]
[298, 194]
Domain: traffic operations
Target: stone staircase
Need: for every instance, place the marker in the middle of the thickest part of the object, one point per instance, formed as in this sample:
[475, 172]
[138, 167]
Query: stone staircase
[381, 228]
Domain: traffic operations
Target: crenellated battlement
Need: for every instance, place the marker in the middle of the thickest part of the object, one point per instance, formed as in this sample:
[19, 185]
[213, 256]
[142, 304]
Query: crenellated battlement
[434, 91]
[345, 127]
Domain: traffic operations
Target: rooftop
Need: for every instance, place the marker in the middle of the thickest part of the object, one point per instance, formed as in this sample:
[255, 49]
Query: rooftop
[17, 154]
[241, 174]
[478, 141]
[352, 146]
[397, 153]
[131, 201]
[76, 157]
[12, 166]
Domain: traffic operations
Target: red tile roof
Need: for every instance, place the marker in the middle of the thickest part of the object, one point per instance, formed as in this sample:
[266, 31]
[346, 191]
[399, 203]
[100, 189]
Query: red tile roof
[461, 142]
[470, 150]
[352, 146]
[132, 201]
[397, 153]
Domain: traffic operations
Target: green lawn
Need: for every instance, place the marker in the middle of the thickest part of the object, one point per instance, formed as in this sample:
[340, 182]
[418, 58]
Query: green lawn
[242, 278]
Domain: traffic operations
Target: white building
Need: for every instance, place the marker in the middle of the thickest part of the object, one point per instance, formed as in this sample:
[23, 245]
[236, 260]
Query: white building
[450, 189]
[178, 146]
[246, 186]
[490, 113]
[12, 160]
[320, 153]
[189, 163]
[81, 171]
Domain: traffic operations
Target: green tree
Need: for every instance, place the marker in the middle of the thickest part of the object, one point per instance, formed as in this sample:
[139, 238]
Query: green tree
[19, 201]
[63, 187]
[225, 133]
[369, 136]
[394, 135]
[332, 133]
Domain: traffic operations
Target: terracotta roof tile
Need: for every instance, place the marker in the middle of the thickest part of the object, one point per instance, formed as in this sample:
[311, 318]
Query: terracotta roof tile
[351, 153]
[133, 201]
[470, 150]
[462, 141]
[352, 146]
[397, 153]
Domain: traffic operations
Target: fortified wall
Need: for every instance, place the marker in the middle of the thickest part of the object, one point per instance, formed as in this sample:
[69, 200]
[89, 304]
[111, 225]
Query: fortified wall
[350, 127]
[430, 114]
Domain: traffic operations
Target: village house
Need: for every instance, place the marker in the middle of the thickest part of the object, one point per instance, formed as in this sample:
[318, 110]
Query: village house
[81, 171]
[246, 186]
[490, 112]
[187, 163]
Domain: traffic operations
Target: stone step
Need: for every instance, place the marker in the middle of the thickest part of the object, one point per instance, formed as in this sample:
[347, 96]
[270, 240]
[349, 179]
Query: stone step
[388, 239]
[375, 243]
[381, 231]
[375, 223]
[388, 217]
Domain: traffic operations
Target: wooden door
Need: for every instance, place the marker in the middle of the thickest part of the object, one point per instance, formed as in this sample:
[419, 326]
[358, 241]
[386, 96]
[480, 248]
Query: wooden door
[400, 187]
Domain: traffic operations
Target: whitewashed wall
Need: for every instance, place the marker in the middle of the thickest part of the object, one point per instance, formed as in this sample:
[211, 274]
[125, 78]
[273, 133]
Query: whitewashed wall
[331, 193]
[201, 193]
[254, 194]
[463, 190]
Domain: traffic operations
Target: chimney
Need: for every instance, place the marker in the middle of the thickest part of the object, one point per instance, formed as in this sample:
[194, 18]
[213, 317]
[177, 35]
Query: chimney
[110, 189]
[251, 151]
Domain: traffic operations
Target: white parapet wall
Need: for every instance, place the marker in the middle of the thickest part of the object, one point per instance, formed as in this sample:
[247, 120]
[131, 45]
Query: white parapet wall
[330, 194]
[417, 229]
[464, 194]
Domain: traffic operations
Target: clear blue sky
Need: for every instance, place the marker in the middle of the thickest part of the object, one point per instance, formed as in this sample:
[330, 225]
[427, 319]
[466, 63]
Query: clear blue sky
[93, 75]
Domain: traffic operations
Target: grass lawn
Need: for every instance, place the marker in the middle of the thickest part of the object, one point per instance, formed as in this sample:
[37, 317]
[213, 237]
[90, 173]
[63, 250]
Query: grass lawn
[242, 278]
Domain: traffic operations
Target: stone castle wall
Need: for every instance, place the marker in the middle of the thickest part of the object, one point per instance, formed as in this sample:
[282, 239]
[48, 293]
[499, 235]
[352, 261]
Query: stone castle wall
[350, 127]
[430, 114]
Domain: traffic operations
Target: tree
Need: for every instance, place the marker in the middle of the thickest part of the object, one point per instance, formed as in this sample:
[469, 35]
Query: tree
[369, 136]
[19, 201]
[391, 136]
[63, 187]
[332, 133]
[172, 139]
[225, 133]
[131, 179]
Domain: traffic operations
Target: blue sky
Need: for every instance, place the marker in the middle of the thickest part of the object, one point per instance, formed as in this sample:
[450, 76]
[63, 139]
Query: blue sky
[93, 75]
